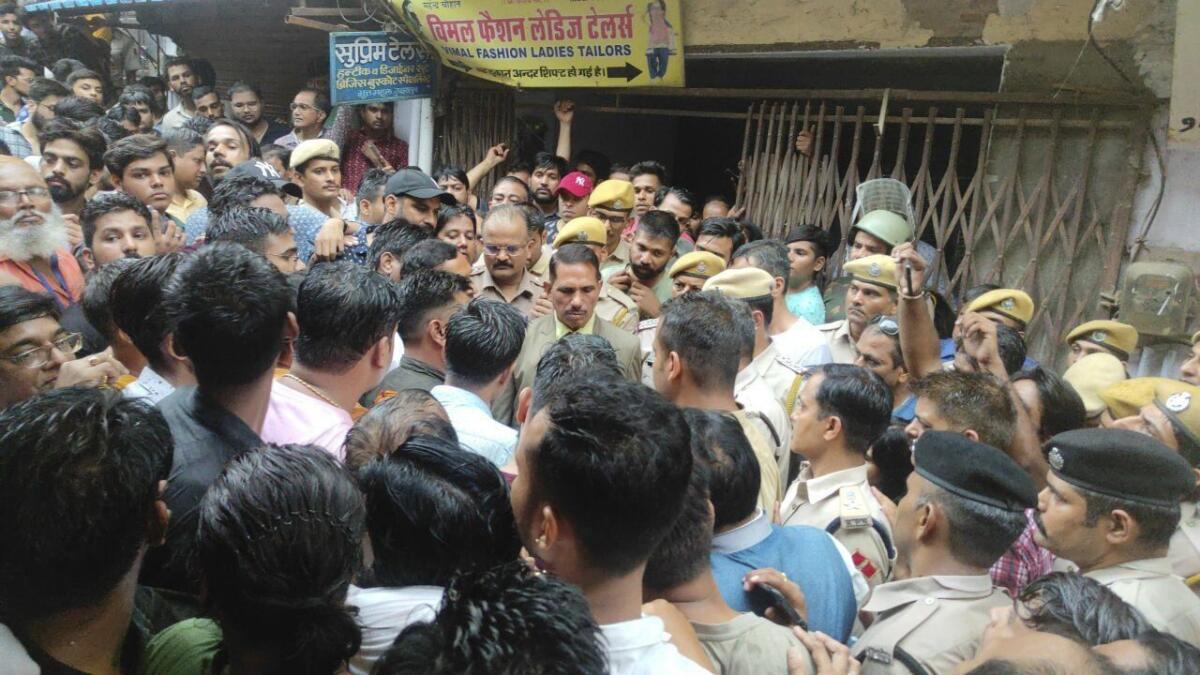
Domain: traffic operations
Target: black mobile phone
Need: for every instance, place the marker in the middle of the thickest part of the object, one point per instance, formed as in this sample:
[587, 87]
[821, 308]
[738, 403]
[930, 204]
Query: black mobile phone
[908, 278]
[763, 596]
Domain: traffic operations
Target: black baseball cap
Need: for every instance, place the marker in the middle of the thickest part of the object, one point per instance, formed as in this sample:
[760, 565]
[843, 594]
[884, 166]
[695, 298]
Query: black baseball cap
[413, 182]
[260, 169]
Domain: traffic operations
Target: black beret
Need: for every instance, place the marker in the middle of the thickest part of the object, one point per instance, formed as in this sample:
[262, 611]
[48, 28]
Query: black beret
[973, 471]
[1121, 464]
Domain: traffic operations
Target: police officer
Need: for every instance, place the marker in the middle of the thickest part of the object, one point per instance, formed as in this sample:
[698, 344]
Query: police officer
[613, 306]
[965, 506]
[1105, 337]
[687, 274]
[1190, 370]
[1110, 506]
[1091, 375]
[872, 291]
[612, 203]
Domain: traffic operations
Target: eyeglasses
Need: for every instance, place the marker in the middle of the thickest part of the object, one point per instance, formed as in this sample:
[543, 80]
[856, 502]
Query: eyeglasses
[301, 106]
[886, 325]
[613, 220]
[494, 249]
[290, 258]
[39, 356]
[13, 197]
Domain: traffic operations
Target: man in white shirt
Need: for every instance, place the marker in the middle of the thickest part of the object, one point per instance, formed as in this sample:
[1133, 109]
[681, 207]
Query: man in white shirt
[602, 468]
[796, 339]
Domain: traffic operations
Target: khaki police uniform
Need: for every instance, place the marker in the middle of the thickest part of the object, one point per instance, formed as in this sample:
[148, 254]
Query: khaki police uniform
[617, 308]
[841, 346]
[618, 259]
[841, 502]
[1184, 553]
[523, 300]
[613, 195]
[756, 398]
[935, 621]
[698, 265]
[1009, 302]
[1120, 339]
[1153, 589]
[542, 266]
[646, 331]
[780, 374]
[768, 486]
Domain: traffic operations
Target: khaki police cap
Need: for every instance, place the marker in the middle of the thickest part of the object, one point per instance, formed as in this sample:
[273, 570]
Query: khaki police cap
[583, 230]
[317, 148]
[1013, 303]
[1180, 402]
[743, 283]
[1112, 335]
[613, 194]
[699, 264]
[874, 269]
[1092, 374]
[1126, 398]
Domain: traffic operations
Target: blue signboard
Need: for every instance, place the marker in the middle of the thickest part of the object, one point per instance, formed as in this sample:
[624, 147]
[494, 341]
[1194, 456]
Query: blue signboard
[377, 66]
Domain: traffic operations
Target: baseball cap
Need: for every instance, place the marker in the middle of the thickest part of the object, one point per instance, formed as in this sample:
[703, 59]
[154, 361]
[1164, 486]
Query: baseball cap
[576, 184]
[413, 182]
[260, 169]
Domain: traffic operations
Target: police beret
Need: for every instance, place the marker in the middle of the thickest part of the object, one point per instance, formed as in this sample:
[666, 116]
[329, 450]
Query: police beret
[874, 269]
[1112, 335]
[317, 148]
[613, 194]
[1126, 398]
[1092, 374]
[1010, 302]
[973, 471]
[583, 230]
[1180, 402]
[701, 264]
[1121, 464]
[743, 283]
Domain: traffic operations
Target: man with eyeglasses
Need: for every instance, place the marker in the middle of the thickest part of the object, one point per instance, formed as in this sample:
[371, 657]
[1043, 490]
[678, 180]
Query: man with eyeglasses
[612, 202]
[36, 352]
[506, 250]
[34, 236]
[310, 108]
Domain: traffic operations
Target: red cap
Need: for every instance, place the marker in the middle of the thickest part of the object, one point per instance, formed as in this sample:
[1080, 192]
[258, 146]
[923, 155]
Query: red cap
[576, 183]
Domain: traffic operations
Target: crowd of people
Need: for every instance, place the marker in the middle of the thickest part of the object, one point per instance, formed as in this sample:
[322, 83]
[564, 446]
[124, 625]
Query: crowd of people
[272, 401]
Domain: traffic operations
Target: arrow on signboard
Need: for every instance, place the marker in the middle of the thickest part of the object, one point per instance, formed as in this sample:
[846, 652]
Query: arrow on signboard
[627, 71]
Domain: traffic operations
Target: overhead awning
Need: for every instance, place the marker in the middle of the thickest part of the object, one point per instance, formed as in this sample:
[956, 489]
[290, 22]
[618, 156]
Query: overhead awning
[88, 6]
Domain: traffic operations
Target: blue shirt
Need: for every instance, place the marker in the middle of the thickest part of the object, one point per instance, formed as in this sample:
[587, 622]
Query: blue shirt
[905, 412]
[477, 430]
[807, 555]
[305, 221]
[807, 304]
[948, 347]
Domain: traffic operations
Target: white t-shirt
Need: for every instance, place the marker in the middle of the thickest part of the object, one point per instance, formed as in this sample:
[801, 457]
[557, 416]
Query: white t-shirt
[642, 647]
[803, 345]
[383, 613]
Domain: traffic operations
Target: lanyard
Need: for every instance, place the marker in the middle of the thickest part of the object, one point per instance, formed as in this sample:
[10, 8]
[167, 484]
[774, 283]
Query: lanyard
[57, 276]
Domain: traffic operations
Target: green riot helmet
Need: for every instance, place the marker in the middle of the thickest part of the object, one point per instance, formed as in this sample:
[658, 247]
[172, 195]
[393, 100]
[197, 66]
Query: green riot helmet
[887, 226]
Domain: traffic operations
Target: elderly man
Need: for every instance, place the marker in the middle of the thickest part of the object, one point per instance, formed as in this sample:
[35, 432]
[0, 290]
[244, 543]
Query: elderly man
[33, 236]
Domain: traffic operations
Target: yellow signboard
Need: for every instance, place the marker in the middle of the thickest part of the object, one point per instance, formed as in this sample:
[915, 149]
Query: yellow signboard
[1184, 129]
[554, 43]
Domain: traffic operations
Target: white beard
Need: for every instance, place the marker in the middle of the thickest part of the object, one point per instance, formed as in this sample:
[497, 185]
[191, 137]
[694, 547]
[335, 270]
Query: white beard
[22, 243]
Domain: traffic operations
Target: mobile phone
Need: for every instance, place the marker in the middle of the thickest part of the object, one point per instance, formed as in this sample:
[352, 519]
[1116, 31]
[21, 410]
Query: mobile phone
[908, 277]
[763, 596]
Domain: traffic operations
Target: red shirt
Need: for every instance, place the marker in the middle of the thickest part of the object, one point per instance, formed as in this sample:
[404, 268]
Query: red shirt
[355, 163]
[66, 285]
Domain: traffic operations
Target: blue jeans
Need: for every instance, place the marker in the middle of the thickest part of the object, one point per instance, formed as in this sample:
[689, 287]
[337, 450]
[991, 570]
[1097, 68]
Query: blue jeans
[656, 61]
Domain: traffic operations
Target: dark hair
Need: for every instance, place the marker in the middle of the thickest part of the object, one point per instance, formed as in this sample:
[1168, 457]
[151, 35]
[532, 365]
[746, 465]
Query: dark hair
[371, 186]
[343, 310]
[422, 293]
[152, 81]
[246, 225]
[181, 140]
[103, 204]
[137, 304]
[535, 220]
[427, 255]
[750, 231]
[508, 619]
[875, 324]
[78, 108]
[87, 138]
[320, 99]
[659, 225]
[702, 328]
[573, 254]
[389, 423]
[859, 398]
[814, 235]
[135, 94]
[96, 305]
[228, 307]
[891, 454]
[683, 195]
[11, 8]
[12, 65]
[79, 469]
[973, 293]
[682, 554]
[1166, 655]
[128, 150]
[719, 443]
[518, 164]
[723, 227]
[284, 155]
[110, 128]
[1079, 608]
[482, 340]
[240, 87]
[197, 123]
[449, 213]
[175, 62]
[18, 305]
[767, 255]
[278, 542]
[1156, 523]
[970, 401]
[618, 479]
[1011, 346]
[42, 88]
[649, 166]
[63, 68]
[434, 509]
[239, 191]
[395, 237]
[252, 145]
[455, 172]
[979, 533]
[1062, 409]
[82, 74]
[513, 179]
[597, 160]
[618, 167]
[548, 160]
[574, 356]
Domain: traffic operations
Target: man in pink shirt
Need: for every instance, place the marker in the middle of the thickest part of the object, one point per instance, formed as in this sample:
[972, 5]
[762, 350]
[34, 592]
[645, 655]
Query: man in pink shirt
[347, 318]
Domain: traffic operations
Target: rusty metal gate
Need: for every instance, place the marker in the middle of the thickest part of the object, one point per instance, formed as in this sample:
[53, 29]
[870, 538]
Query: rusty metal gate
[469, 121]
[1028, 193]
